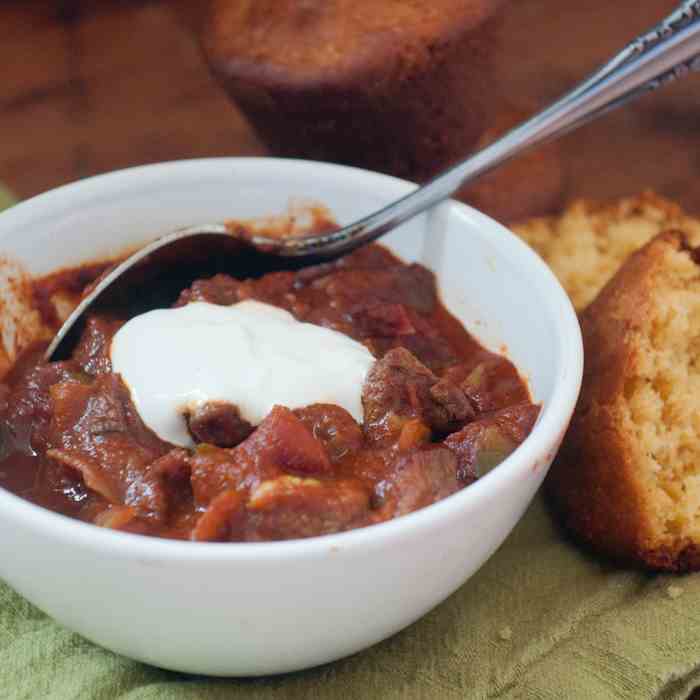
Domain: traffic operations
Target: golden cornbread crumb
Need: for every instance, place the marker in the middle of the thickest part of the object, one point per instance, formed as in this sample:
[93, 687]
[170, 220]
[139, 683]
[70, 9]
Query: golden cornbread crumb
[588, 242]
[627, 479]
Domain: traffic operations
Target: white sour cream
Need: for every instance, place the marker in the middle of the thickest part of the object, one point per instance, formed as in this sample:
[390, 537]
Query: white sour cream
[251, 354]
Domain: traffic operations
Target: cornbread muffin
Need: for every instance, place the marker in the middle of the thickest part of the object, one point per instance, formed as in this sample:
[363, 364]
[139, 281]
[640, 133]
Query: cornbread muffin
[627, 479]
[396, 86]
[532, 184]
[588, 242]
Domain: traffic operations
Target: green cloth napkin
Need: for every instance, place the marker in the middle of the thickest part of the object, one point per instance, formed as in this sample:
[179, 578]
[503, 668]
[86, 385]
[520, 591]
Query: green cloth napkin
[540, 620]
[6, 198]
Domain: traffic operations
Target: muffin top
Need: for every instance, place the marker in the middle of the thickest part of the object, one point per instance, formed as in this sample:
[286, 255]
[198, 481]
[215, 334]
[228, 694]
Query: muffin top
[304, 43]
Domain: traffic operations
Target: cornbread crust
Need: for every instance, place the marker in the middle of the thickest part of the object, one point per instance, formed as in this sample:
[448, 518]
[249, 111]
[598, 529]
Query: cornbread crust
[627, 479]
[307, 44]
[588, 242]
[532, 184]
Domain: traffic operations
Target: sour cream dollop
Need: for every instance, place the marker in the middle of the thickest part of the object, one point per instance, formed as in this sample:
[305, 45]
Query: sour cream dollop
[251, 354]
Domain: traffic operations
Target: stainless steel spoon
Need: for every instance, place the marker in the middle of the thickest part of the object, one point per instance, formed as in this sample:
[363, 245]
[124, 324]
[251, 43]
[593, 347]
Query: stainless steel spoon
[666, 52]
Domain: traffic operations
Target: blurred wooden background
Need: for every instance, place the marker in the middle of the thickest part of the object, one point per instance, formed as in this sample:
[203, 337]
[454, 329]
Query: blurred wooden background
[89, 86]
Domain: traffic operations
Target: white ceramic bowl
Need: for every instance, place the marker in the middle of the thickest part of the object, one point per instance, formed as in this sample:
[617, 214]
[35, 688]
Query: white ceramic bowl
[248, 609]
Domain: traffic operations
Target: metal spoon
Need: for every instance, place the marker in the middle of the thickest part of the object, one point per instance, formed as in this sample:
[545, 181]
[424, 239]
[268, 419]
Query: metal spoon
[666, 52]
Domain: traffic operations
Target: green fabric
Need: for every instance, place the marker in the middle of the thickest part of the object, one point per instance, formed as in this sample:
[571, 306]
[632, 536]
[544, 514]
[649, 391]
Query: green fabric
[6, 198]
[540, 620]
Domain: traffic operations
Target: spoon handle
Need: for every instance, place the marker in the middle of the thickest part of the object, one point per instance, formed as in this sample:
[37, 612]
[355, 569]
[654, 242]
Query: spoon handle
[668, 51]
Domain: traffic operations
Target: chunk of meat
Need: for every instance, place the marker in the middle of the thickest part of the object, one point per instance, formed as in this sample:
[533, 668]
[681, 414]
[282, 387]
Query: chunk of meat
[490, 382]
[174, 465]
[90, 471]
[92, 351]
[27, 413]
[116, 517]
[417, 480]
[283, 440]
[411, 285]
[215, 470]
[383, 320]
[517, 421]
[281, 443]
[223, 520]
[333, 427]
[172, 472]
[434, 353]
[220, 289]
[218, 423]
[89, 413]
[291, 507]
[287, 507]
[486, 442]
[96, 430]
[453, 400]
[274, 288]
[399, 387]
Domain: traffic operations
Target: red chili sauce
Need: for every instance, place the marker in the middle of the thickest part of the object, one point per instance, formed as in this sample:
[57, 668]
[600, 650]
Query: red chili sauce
[439, 411]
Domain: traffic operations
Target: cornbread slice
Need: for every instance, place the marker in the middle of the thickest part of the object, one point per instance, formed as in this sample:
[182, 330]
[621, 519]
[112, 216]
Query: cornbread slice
[627, 479]
[588, 242]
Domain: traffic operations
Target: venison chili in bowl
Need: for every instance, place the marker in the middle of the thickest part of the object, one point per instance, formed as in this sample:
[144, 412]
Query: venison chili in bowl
[439, 411]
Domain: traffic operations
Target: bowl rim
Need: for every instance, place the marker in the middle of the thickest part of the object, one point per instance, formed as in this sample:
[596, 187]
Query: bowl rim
[532, 454]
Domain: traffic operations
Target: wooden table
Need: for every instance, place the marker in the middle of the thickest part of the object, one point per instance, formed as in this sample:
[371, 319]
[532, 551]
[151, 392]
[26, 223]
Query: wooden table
[91, 86]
